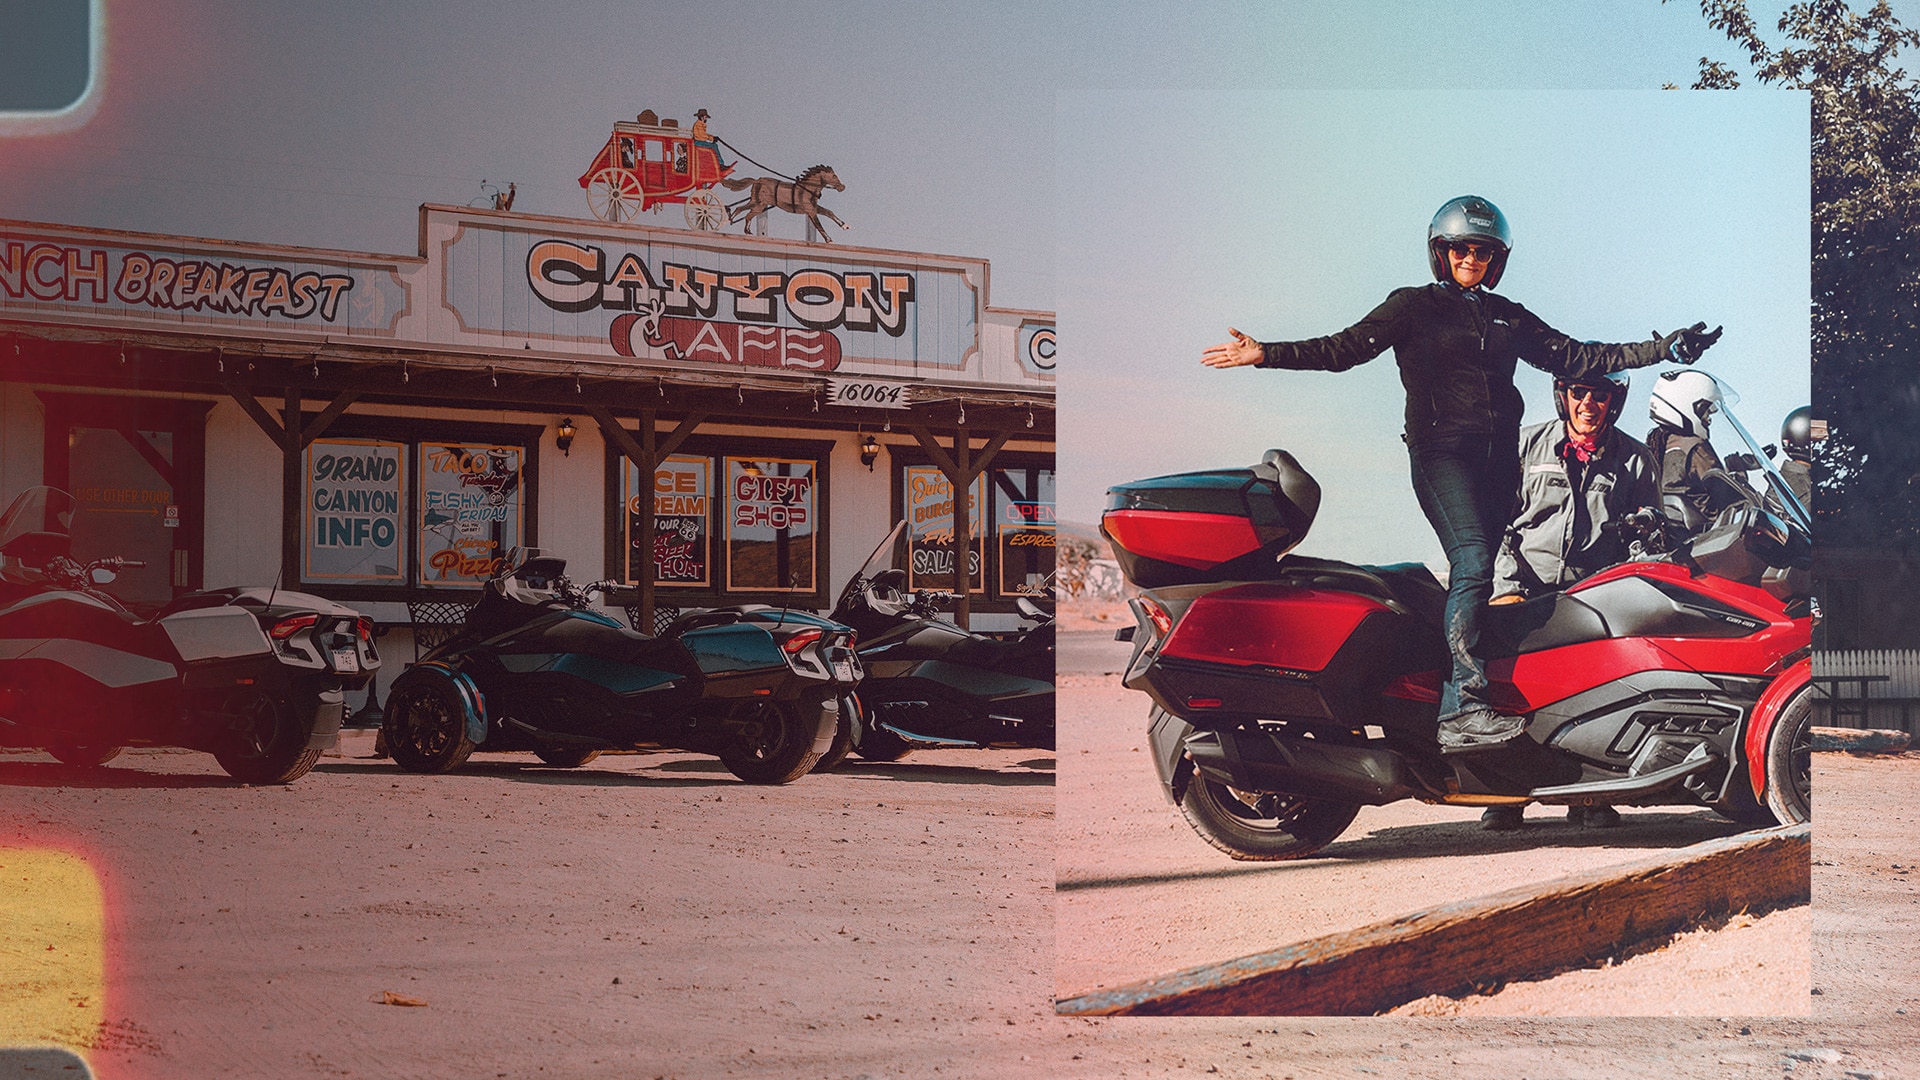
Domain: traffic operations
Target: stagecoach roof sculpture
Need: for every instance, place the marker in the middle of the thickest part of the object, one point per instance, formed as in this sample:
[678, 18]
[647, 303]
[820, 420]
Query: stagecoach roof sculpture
[650, 162]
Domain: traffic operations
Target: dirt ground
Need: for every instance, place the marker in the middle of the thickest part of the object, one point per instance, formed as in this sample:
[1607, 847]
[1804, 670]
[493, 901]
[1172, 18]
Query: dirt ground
[1141, 895]
[890, 922]
[643, 916]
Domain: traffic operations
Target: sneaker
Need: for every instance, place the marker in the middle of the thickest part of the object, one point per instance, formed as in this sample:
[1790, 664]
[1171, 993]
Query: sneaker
[1502, 818]
[1478, 729]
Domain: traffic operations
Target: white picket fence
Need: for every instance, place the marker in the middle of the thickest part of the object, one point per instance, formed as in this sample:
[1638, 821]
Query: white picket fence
[1901, 666]
[1894, 703]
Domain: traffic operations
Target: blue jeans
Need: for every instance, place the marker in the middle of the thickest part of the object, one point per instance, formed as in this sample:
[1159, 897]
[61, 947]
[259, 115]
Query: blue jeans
[1467, 485]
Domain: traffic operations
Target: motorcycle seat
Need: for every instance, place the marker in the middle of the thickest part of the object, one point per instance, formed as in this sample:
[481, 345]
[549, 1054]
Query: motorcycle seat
[996, 654]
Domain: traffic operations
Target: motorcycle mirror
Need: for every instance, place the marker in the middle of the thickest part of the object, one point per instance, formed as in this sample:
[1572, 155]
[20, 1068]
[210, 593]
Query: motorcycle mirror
[102, 575]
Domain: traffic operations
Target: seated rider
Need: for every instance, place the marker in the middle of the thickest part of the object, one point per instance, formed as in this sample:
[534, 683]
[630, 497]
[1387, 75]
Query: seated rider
[1682, 408]
[1796, 439]
[1579, 474]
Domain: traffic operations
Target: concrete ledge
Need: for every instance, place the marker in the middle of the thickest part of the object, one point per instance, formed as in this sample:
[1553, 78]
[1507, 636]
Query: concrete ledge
[1450, 949]
[1862, 740]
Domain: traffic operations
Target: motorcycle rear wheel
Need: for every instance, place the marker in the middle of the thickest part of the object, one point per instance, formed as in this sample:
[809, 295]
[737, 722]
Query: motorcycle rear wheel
[270, 746]
[778, 748]
[84, 755]
[426, 727]
[1255, 827]
[1789, 790]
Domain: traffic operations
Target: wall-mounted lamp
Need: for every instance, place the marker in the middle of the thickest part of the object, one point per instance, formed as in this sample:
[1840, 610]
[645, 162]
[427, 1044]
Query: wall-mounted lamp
[564, 440]
[869, 452]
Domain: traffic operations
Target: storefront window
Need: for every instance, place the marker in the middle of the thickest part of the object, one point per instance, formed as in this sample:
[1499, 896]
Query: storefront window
[930, 546]
[682, 522]
[1024, 529]
[470, 511]
[356, 499]
[431, 513]
[733, 519]
[770, 525]
[1011, 529]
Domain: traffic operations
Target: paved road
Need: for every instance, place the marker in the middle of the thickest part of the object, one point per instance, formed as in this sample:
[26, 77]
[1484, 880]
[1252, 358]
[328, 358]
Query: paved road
[1091, 652]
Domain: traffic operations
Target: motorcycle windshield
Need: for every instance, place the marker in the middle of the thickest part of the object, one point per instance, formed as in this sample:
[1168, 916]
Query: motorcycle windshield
[1776, 484]
[36, 525]
[873, 565]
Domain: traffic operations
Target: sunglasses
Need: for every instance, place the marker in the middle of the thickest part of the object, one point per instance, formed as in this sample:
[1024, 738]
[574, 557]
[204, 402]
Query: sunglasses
[1582, 393]
[1477, 252]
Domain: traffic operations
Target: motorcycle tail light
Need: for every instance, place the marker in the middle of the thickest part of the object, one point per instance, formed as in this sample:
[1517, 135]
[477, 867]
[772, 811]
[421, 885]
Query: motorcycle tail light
[1203, 703]
[363, 626]
[801, 640]
[286, 628]
[1157, 615]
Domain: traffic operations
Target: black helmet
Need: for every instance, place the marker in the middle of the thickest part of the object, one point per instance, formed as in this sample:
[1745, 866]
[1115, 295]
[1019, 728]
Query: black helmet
[1468, 217]
[1796, 434]
[1613, 384]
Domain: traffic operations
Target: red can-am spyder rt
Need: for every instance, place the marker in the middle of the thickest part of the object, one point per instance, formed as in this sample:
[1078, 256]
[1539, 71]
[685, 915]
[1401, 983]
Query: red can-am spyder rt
[1288, 692]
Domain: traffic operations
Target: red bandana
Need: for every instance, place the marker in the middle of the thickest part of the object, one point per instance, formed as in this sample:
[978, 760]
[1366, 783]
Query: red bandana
[1578, 449]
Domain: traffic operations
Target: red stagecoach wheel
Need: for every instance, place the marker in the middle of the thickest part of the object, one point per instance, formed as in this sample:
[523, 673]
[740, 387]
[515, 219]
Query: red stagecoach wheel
[615, 195]
[705, 211]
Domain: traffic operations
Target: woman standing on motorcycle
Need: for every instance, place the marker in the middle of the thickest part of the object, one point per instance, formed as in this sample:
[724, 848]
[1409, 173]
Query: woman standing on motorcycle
[1457, 345]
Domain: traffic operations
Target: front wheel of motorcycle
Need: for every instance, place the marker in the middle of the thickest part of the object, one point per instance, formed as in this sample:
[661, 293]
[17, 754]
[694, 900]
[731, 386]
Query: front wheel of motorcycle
[1256, 827]
[774, 745]
[426, 727]
[1789, 790]
[269, 743]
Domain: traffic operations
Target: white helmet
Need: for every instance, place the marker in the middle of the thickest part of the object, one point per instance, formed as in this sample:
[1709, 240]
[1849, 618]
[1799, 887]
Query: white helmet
[1685, 401]
[532, 576]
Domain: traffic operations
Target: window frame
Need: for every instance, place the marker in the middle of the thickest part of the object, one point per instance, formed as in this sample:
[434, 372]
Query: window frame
[716, 449]
[991, 600]
[413, 433]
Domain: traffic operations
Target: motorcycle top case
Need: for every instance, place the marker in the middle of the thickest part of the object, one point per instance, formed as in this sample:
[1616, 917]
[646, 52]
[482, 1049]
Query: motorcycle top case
[1217, 525]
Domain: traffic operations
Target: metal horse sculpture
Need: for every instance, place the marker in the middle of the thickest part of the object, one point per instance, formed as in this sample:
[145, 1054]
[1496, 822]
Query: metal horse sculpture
[797, 196]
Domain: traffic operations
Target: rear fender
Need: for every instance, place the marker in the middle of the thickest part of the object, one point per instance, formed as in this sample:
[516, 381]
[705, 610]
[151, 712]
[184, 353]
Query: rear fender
[1167, 739]
[472, 701]
[1765, 711]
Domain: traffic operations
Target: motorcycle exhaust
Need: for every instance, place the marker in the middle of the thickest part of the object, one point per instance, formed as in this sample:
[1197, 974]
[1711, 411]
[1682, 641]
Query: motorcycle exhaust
[1258, 761]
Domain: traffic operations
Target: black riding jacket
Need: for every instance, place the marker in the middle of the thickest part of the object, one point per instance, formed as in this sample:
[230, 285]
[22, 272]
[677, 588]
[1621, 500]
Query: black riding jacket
[1457, 349]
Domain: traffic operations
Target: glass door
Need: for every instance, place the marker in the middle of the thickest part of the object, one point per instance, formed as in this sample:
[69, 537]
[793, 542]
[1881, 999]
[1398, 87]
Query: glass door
[137, 468]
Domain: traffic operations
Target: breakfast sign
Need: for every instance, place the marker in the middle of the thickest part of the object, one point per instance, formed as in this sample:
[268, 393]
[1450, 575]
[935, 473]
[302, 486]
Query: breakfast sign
[489, 285]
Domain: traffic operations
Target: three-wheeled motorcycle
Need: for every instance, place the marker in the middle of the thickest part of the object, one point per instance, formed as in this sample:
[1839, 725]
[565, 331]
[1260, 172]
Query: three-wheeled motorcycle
[931, 684]
[534, 667]
[1288, 692]
[252, 676]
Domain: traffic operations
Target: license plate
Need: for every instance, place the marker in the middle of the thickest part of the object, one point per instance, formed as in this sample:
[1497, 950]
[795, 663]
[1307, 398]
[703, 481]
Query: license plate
[843, 670]
[345, 660]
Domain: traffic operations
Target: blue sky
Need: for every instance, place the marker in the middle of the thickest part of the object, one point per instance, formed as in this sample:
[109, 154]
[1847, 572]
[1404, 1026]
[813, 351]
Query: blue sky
[1291, 213]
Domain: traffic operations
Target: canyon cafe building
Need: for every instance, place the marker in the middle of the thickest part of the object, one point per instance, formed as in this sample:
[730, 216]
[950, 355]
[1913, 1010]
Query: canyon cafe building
[382, 429]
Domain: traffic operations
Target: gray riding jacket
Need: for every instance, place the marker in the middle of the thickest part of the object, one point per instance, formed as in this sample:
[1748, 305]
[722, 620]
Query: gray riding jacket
[1558, 538]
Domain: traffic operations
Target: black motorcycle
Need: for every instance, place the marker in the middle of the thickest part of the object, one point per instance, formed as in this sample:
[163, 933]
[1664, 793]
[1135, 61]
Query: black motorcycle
[534, 668]
[931, 684]
[252, 676]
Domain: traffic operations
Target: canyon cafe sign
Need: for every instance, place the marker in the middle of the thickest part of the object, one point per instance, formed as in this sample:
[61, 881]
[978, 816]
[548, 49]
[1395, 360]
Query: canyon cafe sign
[537, 288]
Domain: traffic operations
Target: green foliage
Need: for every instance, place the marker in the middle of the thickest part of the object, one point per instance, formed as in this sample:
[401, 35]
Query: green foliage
[1866, 217]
